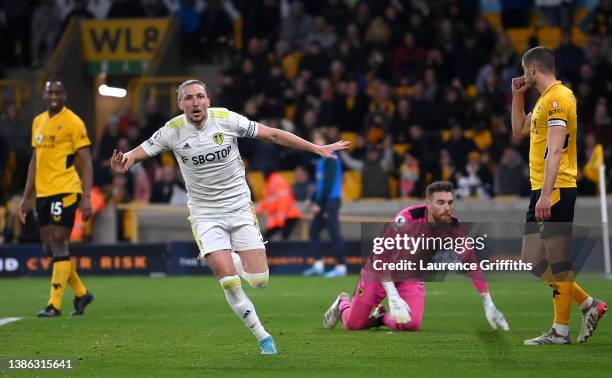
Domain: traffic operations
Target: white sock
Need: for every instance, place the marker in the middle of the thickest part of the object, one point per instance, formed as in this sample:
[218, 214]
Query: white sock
[242, 306]
[319, 265]
[562, 329]
[341, 268]
[586, 303]
[238, 264]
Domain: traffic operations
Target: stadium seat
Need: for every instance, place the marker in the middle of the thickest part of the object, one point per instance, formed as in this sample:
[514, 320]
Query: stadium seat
[256, 181]
[393, 186]
[350, 137]
[401, 148]
[351, 185]
[288, 176]
[548, 37]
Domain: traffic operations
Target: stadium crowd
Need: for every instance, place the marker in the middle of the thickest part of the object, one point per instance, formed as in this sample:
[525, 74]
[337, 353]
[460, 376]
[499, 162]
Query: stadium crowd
[421, 88]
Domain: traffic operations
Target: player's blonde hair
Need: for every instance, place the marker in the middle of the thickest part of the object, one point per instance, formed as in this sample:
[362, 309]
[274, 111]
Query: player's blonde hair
[181, 88]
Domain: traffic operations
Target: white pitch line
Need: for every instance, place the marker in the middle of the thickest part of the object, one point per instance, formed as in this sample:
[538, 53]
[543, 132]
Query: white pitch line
[5, 321]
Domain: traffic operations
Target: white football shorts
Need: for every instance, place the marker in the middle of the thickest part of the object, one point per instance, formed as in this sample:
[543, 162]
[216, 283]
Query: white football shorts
[237, 231]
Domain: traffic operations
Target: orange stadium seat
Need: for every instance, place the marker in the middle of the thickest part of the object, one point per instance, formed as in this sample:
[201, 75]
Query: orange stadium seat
[350, 137]
[351, 185]
[256, 181]
[288, 176]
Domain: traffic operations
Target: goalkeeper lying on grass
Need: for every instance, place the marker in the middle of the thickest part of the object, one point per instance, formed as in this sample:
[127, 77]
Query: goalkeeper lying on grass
[406, 297]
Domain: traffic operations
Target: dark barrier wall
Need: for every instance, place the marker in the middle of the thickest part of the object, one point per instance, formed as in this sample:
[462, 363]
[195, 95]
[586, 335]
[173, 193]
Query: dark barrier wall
[29, 259]
[180, 258]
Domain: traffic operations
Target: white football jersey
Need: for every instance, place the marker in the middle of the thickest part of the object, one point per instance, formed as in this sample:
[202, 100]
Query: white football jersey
[208, 158]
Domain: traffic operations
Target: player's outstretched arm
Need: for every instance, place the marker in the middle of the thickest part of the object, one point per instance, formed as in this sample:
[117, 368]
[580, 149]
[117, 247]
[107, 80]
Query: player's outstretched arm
[520, 121]
[121, 162]
[287, 139]
[495, 317]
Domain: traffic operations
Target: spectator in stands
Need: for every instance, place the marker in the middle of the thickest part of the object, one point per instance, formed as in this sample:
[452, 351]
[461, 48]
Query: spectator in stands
[515, 13]
[602, 19]
[325, 207]
[126, 9]
[46, 24]
[602, 122]
[350, 108]
[322, 33]
[190, 22]
[592, 159]
[117, 192]
[154, 9]
[4, 157]
[569, 58]
[511, 176]
[78, 12]
[445, 168]
[296, 25]
[303, 188]
[451, 110]
[375, 169]
[278, 204]
[458, 145]
[265, 20]
[165, 187]
[409, 176]
[15, 131]
[402, 120]
[558, 13]
[475, 179]
[217, 31]
[17, 18]
[266, 154]
[153, 119]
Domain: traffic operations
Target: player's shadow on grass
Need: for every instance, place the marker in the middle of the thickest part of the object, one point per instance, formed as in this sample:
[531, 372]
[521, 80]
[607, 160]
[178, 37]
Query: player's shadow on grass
[498, 343]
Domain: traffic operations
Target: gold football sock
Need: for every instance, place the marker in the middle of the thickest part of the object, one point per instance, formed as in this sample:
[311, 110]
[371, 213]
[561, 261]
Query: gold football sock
[75, 281]
[59, 279]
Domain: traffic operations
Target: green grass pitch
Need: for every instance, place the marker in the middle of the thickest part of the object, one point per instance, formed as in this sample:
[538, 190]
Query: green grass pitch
[183, 327]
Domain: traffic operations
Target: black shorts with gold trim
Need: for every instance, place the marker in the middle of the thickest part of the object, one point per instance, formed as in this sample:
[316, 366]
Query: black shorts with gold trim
[561, 213]
[57, 210]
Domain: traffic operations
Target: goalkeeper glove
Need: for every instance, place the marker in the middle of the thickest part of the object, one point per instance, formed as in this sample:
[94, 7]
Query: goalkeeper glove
[494, 316]
[398, 308]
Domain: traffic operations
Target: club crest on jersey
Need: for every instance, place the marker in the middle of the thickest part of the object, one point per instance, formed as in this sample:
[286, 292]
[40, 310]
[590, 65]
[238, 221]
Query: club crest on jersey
[218, 138]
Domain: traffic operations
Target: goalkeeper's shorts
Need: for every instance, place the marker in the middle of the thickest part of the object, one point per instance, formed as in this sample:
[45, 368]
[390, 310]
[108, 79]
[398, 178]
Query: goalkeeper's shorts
[237, 231]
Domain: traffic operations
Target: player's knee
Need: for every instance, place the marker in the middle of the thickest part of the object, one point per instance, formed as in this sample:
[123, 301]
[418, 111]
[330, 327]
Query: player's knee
[411, 326]
[230, 283]
[58, 247]
[257, 280]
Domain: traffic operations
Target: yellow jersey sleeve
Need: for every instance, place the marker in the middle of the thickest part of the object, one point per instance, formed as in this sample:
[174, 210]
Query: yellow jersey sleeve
[79, 134]
[558, 109]
[35, 123]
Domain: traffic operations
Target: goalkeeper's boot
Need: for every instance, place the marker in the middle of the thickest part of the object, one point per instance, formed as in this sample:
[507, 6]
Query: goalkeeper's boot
[268, 346]
[590, 317]
[338, 271]
[550, 337]
[332, 315]
[80, 303]
[49, 312]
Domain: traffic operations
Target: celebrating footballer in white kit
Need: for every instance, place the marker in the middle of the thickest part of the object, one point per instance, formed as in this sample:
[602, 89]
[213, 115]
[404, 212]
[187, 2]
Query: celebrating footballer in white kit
[204, 141]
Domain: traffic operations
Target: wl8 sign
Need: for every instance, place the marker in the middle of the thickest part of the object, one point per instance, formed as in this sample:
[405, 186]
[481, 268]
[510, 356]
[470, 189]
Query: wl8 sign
[121, 43]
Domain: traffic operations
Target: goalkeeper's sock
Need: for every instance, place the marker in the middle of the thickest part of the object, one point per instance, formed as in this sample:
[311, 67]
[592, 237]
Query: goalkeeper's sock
[581, 296]
[59, 279]
[75, 281]
[242, 305]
